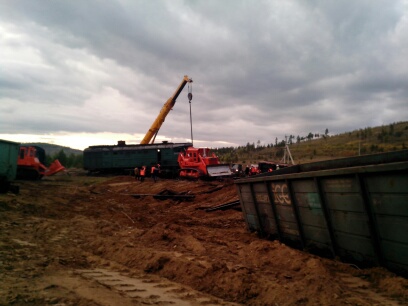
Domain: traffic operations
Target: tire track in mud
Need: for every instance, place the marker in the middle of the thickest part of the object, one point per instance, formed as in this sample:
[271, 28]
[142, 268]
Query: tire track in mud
[107, 287]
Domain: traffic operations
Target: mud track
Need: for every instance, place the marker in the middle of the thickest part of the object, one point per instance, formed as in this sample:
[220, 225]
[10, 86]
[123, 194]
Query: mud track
[77, 240]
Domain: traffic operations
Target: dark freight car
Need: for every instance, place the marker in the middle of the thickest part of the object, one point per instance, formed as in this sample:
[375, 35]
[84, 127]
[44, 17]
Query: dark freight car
[353, 208]
[8, 163]
[124, 158]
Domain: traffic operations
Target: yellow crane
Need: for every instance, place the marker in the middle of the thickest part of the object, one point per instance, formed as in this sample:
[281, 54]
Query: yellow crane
[155, 127]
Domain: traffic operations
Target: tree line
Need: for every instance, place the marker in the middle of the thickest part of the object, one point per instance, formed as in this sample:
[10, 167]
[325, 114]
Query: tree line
[229, 154]
[68, 161]
[366, 140]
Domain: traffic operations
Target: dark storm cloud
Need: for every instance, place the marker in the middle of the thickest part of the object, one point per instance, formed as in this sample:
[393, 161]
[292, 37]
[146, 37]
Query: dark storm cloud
[267, 68]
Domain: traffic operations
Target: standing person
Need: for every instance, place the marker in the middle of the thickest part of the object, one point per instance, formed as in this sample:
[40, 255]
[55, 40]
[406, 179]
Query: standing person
[153, 173]
[157, 171]
[137, 173]
[142, 173]
[247, 170]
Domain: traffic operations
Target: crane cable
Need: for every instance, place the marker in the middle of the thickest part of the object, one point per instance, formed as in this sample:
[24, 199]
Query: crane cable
[190, 97]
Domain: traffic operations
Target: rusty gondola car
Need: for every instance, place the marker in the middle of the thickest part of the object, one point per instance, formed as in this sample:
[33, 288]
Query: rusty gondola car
[352, 208]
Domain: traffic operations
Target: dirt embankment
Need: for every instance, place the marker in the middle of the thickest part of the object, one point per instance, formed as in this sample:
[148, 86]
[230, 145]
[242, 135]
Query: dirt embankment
[107, 241]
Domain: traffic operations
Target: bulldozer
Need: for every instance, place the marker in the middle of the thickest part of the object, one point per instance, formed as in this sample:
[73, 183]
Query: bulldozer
[201, 163]
[30, 164]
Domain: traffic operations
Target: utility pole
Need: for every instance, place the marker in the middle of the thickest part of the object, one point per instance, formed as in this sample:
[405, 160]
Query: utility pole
[286, 153]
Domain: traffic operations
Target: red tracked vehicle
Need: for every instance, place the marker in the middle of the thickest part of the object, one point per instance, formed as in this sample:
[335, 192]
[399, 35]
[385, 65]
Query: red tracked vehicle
[201, 163]
[30, 164]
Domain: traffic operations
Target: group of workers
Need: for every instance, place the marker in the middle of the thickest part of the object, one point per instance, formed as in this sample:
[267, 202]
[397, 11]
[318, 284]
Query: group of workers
[141, 173]
[253, 170]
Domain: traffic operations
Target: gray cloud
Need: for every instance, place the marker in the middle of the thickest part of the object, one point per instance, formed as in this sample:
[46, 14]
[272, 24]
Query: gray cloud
[261, 70]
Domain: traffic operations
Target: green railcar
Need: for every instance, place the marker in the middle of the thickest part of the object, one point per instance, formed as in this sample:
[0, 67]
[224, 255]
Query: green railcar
[8, 163]
[124, 158]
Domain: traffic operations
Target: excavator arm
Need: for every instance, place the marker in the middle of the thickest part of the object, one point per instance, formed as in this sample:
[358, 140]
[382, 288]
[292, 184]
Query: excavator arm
[154, 129]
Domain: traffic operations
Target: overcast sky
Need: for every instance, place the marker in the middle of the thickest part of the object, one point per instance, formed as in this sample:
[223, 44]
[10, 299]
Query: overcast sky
[87, 72]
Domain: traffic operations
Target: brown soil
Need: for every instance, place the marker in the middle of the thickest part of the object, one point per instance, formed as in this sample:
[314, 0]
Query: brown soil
[77, 240]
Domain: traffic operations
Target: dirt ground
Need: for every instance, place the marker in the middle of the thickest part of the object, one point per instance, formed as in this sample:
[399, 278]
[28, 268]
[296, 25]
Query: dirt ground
[78, 240]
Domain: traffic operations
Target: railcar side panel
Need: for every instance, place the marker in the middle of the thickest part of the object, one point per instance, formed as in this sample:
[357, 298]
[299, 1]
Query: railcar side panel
[357, 211]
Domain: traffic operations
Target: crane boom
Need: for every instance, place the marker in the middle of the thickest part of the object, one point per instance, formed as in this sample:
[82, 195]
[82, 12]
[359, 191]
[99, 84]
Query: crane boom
[155, 127]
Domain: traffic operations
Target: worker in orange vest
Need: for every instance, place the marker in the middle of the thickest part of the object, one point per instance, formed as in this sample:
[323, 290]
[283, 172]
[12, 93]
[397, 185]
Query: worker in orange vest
[142, 173]
[153, 173]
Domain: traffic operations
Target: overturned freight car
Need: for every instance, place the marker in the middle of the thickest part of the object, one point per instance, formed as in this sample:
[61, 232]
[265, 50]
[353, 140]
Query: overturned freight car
[123, 158]
[352, 208]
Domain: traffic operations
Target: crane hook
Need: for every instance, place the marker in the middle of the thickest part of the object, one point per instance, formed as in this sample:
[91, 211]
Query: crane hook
[190, 94]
